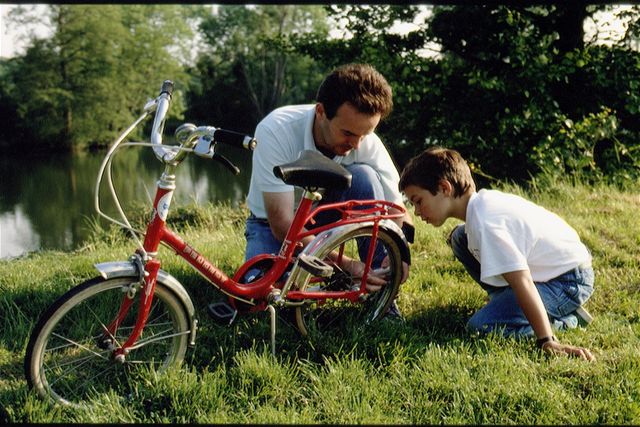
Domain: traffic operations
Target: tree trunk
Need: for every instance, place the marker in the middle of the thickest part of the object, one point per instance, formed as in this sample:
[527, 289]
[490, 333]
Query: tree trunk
[568, 22]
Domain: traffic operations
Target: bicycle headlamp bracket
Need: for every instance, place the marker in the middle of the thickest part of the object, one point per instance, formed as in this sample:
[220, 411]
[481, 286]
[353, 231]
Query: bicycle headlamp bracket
[204, 147]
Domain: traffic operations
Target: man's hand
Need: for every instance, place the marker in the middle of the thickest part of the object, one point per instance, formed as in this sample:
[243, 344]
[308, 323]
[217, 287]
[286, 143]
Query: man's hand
[377, 278]
[405, 269]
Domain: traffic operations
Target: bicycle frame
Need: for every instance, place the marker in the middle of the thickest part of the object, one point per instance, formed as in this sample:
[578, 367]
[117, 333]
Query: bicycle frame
[261, 289]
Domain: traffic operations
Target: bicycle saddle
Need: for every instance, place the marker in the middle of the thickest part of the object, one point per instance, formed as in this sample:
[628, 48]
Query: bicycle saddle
[312, 169]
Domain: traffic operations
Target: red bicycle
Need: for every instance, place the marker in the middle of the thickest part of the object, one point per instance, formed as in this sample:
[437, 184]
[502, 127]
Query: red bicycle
[135, 315]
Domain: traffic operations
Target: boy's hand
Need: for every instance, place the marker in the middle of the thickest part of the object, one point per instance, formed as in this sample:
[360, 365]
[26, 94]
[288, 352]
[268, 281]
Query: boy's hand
[555, 347]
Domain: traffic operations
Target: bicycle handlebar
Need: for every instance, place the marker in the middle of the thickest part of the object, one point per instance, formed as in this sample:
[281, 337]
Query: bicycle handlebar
[162, 106]
[235, 139]
[167, 87]
[188, 134]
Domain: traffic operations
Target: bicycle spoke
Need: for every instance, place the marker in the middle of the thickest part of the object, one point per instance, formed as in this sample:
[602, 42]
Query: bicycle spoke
[89, 381]
[156, 338]
[76, 362]
[75, 368]
[143, 362]
[78, 345]
[104, 327]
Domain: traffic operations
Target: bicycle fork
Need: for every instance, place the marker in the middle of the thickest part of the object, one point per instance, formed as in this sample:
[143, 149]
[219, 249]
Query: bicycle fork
[147, 282]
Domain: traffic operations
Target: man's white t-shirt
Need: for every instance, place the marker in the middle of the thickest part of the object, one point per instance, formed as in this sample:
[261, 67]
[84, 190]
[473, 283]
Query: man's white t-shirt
[508, 233]
[285, 132]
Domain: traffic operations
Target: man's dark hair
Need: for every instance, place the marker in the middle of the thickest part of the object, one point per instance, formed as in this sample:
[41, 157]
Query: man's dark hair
[358, 84]
[428, 168]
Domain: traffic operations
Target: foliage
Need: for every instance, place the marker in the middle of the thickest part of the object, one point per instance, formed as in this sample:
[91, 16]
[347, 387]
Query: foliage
[82, 85]
[505, 81]
[428, 370]
[589, 148]
[248, 67]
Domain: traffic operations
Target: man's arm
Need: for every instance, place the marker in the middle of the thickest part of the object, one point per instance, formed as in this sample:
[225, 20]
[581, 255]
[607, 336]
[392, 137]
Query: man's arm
[279, 208]
[529, 300]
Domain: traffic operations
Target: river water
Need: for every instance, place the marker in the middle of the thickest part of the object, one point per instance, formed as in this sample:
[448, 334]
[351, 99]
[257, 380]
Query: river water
[49, 203]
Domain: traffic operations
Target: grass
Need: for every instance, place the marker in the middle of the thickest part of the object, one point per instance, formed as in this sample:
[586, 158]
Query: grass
[429, 370]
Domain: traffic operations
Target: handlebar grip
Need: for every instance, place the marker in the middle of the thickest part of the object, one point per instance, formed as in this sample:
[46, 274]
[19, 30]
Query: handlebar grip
[167, 87]
[236, 139]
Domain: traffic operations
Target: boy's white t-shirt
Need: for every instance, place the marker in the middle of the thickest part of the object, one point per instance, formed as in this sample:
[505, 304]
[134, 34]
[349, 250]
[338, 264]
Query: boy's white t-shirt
[508, 233]
[287, 131]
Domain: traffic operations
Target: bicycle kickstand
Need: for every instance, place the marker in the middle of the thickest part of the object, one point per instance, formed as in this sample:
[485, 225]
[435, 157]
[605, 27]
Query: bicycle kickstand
[272, 312]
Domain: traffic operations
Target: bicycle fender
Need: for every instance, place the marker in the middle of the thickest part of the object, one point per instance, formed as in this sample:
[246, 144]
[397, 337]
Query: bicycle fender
[328, 237]
[110, 270]
[398, 235]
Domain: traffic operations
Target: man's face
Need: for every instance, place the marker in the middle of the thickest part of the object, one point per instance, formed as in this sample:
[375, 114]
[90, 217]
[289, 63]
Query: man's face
[344, 131]
[433, 209]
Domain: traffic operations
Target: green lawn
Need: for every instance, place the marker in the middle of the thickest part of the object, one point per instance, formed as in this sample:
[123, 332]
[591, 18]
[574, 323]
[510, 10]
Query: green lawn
[427, 370]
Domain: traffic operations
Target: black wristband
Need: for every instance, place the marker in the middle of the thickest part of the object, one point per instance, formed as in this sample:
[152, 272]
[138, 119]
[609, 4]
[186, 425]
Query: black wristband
[409, 231]
[542, 341]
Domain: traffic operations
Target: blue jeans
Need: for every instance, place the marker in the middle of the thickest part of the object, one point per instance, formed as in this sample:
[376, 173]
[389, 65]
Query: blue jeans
[365, 184]
[561, 296]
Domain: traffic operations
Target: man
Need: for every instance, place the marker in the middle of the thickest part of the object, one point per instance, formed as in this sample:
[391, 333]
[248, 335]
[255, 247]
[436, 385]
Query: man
[351, 101]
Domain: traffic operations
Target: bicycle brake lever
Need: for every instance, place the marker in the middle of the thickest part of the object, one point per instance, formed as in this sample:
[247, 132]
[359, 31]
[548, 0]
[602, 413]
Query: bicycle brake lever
[227, 163]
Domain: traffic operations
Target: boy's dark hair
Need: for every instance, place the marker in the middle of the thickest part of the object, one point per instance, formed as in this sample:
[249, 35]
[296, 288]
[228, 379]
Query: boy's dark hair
[358, 84]
[428, 168]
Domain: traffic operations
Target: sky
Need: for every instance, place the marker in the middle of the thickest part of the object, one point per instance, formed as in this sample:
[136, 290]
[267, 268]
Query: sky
[10, 43]
[9, 37]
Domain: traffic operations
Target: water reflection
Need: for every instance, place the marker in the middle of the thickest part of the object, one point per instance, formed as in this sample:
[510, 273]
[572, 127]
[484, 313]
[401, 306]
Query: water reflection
[46, 203]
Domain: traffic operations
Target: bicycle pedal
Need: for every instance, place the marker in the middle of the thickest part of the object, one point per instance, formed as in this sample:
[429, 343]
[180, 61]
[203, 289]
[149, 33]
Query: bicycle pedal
[222, 313]
[315, 266]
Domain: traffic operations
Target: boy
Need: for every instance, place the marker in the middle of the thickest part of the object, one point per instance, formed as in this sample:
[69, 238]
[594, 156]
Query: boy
[531, 262]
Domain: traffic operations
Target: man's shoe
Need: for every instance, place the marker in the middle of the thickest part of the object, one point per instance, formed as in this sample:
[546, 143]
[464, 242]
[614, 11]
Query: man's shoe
[584, 318]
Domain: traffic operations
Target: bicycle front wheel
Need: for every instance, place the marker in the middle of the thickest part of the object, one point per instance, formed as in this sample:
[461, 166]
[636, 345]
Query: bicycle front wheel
[322, 316]
[68, 359]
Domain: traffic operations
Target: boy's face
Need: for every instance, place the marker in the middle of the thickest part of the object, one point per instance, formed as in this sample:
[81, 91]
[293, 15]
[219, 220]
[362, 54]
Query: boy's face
[433, 209]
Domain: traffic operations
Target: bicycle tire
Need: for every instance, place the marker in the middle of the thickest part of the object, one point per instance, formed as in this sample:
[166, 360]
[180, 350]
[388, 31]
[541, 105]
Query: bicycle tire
[322, 317]
[64, 362]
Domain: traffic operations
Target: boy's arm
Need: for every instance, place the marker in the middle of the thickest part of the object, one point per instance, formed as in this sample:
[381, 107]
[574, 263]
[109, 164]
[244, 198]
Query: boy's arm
[529, 300]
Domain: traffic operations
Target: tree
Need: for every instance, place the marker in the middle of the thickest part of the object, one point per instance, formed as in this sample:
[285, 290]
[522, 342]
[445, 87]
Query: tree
[85, 83]
[249, 67]
[530, 80]
[516, 89]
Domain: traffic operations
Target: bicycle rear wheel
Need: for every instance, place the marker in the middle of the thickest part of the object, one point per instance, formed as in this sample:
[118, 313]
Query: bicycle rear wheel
[67, 361]
[317, 316]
